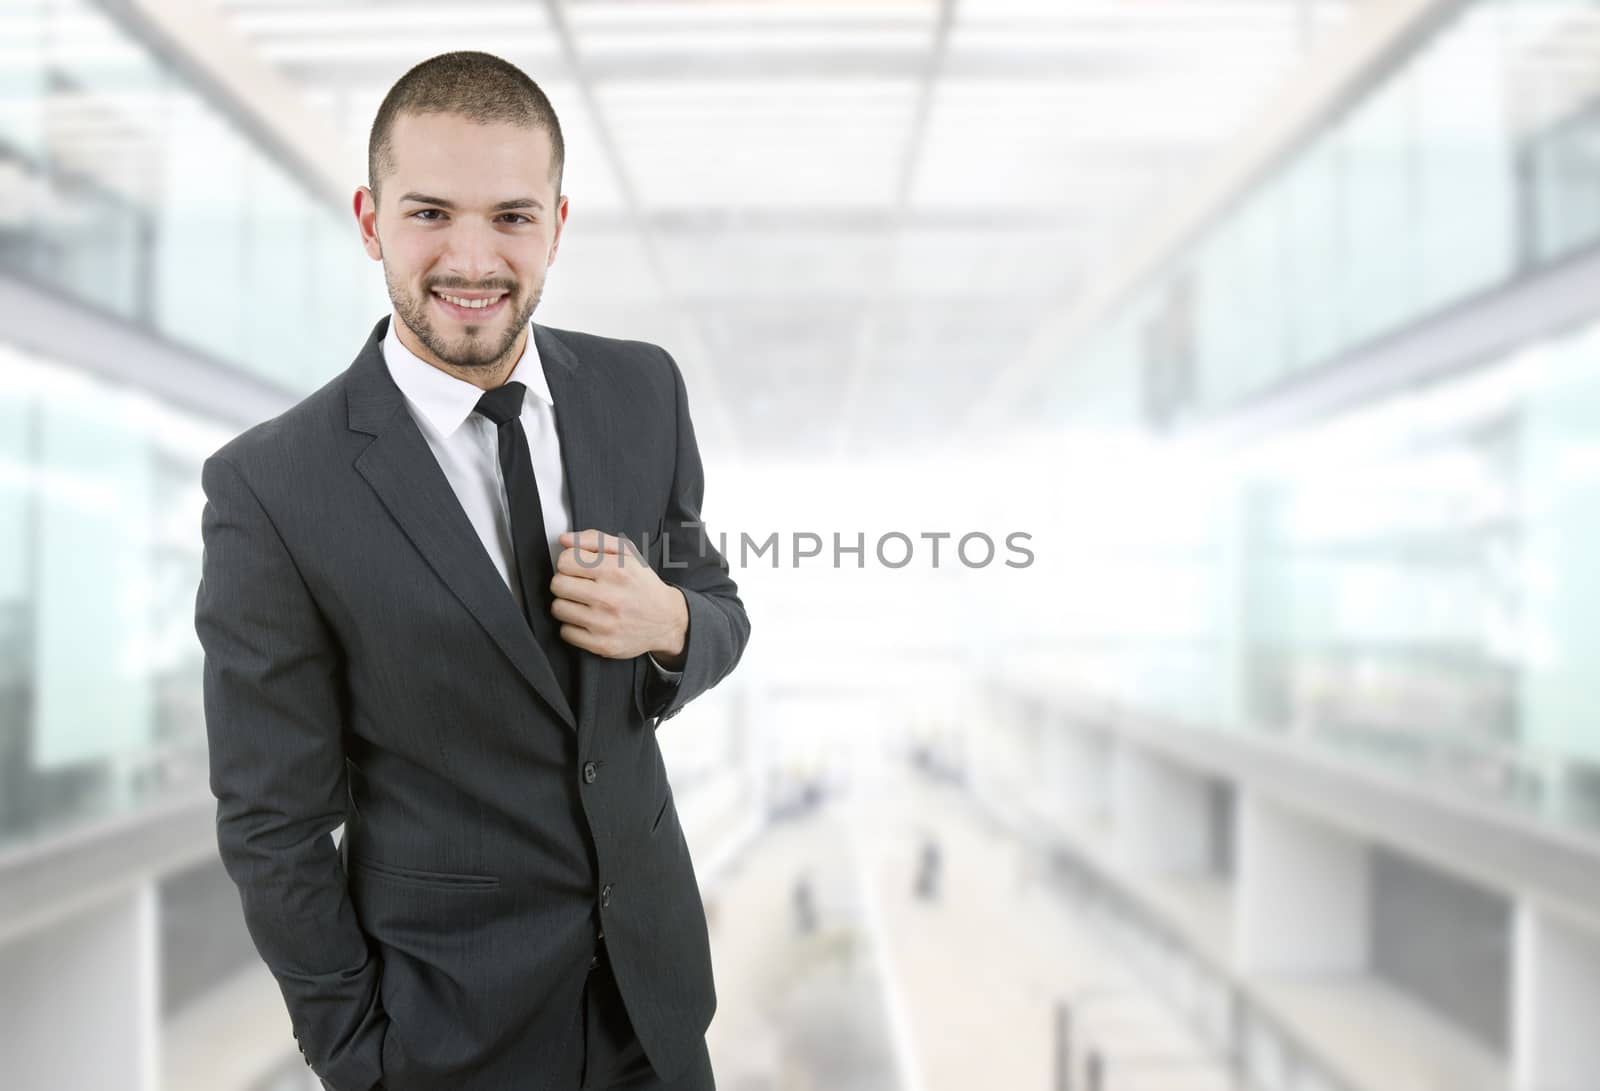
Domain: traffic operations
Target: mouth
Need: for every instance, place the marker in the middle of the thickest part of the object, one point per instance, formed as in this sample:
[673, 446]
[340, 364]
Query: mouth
[470, 306]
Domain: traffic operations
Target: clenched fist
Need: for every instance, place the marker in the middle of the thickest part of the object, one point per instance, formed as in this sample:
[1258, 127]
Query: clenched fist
[609, 601]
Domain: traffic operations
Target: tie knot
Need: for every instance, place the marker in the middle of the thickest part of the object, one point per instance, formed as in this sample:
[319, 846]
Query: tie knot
[503, 403]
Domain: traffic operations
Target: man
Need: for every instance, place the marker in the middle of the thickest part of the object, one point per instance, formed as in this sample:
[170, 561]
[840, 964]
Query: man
[447, 601]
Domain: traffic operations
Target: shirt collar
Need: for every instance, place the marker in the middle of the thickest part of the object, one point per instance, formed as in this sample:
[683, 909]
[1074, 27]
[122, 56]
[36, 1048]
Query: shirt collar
[442, 398]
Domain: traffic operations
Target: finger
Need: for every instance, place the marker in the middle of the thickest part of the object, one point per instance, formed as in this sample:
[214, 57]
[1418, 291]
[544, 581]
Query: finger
[580, 588]
[597, 540]
[588, 640]
[581, 562]
[575, 613]
[592, 595]
[578, 636]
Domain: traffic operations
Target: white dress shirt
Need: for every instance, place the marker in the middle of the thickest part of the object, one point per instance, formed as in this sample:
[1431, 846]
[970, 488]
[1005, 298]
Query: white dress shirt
[467, 446]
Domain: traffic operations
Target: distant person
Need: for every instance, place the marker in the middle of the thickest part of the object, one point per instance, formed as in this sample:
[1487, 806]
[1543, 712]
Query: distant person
[926, 885]
[805, 905]
[447, 601]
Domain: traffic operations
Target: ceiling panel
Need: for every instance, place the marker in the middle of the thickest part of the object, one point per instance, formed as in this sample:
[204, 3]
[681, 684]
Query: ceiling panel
[837, 215]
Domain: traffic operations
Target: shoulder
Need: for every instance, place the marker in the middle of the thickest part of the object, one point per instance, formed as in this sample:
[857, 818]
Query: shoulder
[624, 361]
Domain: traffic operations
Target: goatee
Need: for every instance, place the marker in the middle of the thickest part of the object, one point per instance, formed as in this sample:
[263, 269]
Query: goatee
[469, 352]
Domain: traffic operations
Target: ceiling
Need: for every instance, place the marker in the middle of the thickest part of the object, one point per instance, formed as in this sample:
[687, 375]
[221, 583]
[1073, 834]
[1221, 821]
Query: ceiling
[842, 218]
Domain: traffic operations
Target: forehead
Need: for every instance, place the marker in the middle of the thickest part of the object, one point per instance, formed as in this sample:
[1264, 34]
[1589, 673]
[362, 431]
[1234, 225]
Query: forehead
[452, 155]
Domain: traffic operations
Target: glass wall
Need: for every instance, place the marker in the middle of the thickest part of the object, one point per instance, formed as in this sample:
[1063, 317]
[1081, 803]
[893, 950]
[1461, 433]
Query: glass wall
[1385, 600]
[100, 504]
[123, 188]
[1410, 585]
[1475, 161]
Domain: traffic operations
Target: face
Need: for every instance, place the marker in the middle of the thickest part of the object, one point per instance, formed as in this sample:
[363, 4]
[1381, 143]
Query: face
[468, 224]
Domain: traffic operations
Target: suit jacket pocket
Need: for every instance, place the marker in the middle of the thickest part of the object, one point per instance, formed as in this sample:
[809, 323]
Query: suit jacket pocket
[652, 551]
[393, 1059]
[662, 813]
[419, 877]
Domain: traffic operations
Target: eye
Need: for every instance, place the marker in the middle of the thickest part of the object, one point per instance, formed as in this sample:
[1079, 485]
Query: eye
[426, 213]
[519, 218]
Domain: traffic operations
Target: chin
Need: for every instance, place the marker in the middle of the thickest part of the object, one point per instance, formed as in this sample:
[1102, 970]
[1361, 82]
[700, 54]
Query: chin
[484, 347]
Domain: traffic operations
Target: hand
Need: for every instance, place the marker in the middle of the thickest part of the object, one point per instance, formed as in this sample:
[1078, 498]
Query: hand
[610, 602]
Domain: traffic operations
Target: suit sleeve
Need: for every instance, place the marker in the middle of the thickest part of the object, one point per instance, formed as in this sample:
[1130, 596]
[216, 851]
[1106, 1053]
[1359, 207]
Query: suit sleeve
[718, 626]
[273, 723]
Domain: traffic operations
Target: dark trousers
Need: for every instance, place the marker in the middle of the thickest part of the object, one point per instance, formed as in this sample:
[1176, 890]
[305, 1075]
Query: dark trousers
[607, 1053]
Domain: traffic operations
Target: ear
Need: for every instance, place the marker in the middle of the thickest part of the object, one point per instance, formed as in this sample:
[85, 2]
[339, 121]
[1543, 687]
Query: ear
[561, 221]
[365, 206]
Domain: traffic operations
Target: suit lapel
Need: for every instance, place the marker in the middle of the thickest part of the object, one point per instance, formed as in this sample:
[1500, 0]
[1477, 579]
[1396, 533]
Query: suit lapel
[587, 434]
[402, 470]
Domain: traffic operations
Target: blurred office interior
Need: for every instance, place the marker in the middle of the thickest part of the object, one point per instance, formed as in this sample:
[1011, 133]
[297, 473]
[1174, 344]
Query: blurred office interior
[1274, 325]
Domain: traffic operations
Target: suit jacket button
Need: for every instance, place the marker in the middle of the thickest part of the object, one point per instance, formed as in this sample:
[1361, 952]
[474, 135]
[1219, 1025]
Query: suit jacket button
[605, 896]
[588, 772]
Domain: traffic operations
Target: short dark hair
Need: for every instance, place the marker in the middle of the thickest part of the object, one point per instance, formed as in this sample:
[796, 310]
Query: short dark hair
[479, 86]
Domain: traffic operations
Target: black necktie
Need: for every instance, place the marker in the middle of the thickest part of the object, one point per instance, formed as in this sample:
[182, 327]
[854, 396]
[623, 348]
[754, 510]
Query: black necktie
[503, 405]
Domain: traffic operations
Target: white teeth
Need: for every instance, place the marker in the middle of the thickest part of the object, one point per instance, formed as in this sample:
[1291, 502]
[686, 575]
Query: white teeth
[475, 304]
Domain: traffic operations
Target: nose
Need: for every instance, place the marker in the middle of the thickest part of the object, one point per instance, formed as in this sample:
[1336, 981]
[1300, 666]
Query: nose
[472, 253]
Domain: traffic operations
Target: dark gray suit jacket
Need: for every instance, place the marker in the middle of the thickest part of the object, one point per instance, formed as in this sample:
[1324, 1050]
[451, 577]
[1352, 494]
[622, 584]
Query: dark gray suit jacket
[365, 664]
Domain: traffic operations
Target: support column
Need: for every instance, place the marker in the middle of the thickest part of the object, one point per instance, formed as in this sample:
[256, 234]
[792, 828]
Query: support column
[1160, 813]
[1303, 891]
[1555, 1002]
[1080, 763]
[92, 977]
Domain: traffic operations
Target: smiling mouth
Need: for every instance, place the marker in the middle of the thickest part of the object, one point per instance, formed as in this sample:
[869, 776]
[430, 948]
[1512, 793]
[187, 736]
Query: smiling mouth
[475, 305]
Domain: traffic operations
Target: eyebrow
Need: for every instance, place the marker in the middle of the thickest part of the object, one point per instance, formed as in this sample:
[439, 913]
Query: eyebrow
[503, 206]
